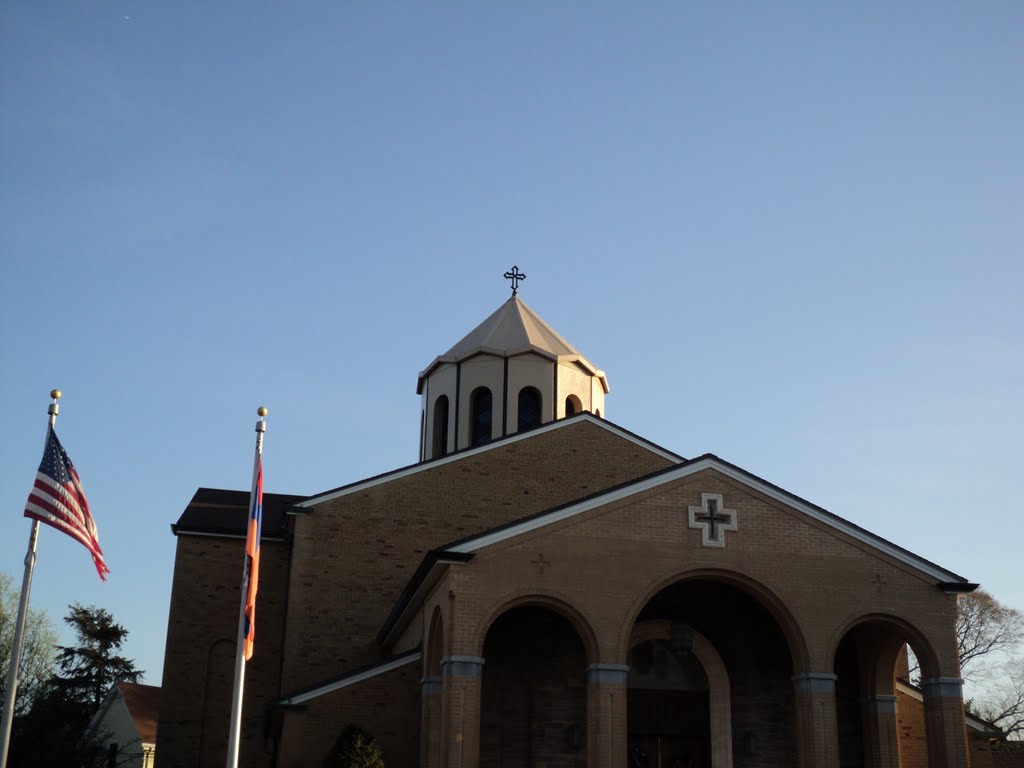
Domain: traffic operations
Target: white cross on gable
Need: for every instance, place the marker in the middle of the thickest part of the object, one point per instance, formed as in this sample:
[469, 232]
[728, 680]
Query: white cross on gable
[713, 519]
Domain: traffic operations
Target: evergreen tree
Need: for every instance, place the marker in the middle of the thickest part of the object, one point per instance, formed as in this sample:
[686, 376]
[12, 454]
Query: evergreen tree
[91, 667]
[52, 731]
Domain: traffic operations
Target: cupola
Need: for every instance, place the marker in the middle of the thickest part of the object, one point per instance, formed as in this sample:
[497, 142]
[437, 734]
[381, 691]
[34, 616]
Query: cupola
[511, 373]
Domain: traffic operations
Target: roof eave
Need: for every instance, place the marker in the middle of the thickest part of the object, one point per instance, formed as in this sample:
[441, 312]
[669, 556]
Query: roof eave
[426, 577]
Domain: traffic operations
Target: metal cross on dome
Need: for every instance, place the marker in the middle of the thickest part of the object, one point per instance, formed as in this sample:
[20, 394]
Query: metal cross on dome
[516, 277]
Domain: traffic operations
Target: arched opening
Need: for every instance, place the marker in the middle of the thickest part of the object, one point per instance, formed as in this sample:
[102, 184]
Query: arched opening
[720, 661]
[880, 715]
[440, 440]
[597, 413]
[529, 408]
[434, 646]
[572, 405]
[216, 704]
[534, 696]
[480, 416]
[432, 687]
[668, 706]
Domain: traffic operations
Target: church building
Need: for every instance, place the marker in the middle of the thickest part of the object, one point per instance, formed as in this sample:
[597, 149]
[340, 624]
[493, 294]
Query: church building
[545, 587]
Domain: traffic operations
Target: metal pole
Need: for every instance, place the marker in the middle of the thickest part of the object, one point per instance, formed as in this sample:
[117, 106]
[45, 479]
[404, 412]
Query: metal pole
[19, 627]
[235, 732]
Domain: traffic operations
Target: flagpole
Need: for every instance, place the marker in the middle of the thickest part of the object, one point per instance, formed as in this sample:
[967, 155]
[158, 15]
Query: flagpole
[235, 732]
[19, 627]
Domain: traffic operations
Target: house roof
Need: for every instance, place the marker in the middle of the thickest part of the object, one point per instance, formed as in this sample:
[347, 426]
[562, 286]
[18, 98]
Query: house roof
[143, 702]
[219, 512]
[513, 329]
[463, 550]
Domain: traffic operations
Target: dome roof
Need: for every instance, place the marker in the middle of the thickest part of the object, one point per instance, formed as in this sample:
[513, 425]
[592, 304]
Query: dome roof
[513, 329]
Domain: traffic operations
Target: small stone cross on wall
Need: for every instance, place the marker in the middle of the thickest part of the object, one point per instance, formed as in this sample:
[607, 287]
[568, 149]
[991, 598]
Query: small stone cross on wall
[879, 584]
[712, 519]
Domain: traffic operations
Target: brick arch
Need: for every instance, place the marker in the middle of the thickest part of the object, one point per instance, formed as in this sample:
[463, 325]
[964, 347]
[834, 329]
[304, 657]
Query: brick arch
[553, 601]
[787, 623]
[434, 646]
[902, 631]
[216, 696]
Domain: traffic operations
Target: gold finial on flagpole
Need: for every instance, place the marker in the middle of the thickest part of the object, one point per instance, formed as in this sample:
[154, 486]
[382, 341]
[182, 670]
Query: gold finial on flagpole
[55, 394]
[261, 411]
[53, 409]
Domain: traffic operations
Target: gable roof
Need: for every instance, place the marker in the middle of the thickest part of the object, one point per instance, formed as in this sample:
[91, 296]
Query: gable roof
[690, 467]
[142, 703]
[303, 505]
[464, 549]
[513, 329]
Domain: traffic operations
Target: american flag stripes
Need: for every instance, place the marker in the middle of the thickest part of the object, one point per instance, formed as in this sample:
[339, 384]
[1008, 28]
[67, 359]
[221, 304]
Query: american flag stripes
[57, 499]
[252, 551]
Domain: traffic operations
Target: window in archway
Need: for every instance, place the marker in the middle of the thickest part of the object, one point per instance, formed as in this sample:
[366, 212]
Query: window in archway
[572, 405]
[480, 416]
[440, 442]
[529, 408]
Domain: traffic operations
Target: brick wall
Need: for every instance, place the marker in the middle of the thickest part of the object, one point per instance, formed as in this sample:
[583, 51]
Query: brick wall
[386, 706]
[775, 601]
[1007, 755]
[355, 554]
[200, 653]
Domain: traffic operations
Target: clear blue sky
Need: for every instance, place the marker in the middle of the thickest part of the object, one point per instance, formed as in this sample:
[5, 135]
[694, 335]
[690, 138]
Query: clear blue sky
[790, 233]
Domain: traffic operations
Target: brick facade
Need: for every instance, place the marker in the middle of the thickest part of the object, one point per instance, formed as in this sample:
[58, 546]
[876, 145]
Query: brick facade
[564, 545]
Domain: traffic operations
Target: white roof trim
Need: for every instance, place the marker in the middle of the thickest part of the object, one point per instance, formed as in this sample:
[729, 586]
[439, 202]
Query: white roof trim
[345, 682]
[413, 605]
[452, 457]
[672, 475]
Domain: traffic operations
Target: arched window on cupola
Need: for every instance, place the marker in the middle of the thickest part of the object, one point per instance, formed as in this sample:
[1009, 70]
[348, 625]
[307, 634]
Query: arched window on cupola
[529, 408]
[440, 441]
[572, 405]
[480, 416]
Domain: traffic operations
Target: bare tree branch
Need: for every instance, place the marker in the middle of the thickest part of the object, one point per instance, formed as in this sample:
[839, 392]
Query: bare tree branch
[1004, 706]
[983, 626]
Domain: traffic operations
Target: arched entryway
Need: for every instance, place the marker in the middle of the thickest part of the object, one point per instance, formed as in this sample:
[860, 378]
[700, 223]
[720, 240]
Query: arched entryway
[721, 668]
[869, 660]
[533, 707]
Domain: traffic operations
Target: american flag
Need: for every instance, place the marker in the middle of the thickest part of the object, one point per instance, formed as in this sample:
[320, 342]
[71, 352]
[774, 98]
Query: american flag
[252, 551]
[57, 499]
